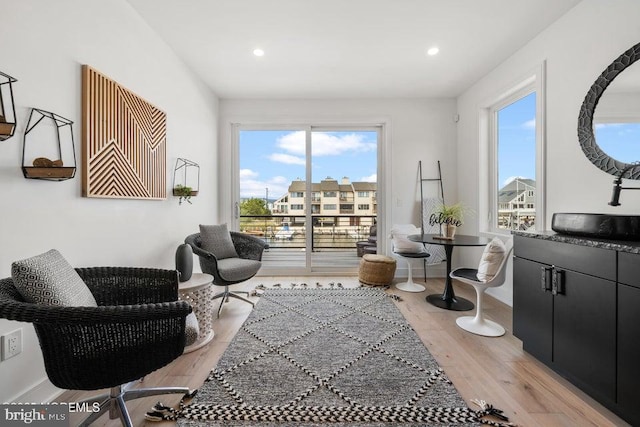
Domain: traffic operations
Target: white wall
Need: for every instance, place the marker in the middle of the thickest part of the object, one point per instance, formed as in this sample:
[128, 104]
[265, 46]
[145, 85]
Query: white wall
[43, 45]
[577, 48]
[416, 129]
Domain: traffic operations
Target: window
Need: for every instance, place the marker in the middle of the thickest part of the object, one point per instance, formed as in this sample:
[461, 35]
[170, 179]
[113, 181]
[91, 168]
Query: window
[511, 157]
[363, 207]
[515, 148]
[297, 207]
[363, 194]
[329, 207]
[297, 194]
[329, 194]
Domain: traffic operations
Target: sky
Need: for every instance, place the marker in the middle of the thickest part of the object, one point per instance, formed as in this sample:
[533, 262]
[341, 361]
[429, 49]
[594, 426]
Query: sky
[273, 158]
[517, 140]
[619, 140]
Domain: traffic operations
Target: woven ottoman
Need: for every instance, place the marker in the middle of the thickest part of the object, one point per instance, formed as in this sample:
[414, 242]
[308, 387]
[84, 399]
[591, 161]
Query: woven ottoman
[376, 270]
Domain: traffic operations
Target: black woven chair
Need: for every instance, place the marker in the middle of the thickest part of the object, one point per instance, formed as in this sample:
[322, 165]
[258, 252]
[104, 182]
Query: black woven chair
[138, 327]
[230, 271]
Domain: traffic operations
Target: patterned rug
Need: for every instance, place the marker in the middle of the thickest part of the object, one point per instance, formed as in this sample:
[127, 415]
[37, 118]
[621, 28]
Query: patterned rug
[315, 356]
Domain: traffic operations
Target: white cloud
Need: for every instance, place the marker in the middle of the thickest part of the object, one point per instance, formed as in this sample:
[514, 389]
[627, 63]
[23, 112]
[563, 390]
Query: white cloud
[325, 144]
[511, 178]
[247, 173]
[286, 158]
[608, 125]
[279, 180]
[251, 186]
[370, 178]
[530, 124]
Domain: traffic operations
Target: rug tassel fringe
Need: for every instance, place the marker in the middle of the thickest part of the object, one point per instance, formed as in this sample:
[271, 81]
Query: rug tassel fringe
[488, 410]
[160, 412]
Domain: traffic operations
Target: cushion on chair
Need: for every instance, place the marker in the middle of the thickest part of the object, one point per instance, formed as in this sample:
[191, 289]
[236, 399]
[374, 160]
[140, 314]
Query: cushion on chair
[401, 243]
[217, 240]
[49, 279]
[491, 259]
[466, 273]
[238, 269]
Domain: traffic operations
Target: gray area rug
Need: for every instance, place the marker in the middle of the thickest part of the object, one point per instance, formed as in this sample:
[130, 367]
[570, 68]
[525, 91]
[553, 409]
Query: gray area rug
[307, 357]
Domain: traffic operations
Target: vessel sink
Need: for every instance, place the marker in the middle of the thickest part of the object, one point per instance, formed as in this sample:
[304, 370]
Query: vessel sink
[602, 226]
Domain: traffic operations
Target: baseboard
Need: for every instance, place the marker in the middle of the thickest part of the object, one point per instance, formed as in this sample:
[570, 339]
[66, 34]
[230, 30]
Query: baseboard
[42, 392]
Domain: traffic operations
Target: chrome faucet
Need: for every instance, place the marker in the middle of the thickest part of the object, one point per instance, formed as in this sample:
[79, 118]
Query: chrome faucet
[617, 185]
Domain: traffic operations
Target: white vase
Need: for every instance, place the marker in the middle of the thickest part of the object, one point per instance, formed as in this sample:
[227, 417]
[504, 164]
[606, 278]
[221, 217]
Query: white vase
[448, 231]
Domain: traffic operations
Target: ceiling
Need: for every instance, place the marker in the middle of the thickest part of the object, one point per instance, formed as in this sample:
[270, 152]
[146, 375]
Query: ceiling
[346, 48]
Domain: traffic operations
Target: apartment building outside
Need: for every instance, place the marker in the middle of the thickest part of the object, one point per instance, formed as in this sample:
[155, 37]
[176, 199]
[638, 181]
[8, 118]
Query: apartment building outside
[331, 198]
[517, 204]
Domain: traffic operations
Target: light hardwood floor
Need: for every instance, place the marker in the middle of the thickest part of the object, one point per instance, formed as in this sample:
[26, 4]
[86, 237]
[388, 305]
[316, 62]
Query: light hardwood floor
[492, 369]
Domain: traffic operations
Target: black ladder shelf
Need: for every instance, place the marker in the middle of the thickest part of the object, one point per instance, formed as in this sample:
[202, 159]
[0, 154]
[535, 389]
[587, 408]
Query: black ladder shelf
[422, 181]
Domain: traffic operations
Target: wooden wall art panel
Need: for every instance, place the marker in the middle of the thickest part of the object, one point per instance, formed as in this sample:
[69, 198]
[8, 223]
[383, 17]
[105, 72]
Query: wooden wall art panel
[124, 142]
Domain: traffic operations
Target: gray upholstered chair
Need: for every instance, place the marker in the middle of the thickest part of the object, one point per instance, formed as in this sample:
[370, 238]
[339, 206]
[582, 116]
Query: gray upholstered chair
[229, 270]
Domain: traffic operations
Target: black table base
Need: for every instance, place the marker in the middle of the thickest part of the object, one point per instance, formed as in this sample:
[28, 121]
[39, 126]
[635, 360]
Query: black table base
[455, 303]
[448, 299]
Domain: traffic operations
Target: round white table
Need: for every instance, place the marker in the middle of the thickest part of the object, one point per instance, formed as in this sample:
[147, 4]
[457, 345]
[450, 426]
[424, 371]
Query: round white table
[198, 291]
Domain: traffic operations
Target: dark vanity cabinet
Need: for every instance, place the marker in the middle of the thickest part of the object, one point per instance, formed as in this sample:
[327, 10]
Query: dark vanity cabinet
[564, 311]
[629, 336]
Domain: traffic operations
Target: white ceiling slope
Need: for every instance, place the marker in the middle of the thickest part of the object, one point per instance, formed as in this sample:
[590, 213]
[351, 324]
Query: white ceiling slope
[346, 48]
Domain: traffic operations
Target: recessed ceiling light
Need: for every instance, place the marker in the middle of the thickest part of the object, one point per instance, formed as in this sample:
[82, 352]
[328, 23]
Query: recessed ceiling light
[258, 52]
[433, 51]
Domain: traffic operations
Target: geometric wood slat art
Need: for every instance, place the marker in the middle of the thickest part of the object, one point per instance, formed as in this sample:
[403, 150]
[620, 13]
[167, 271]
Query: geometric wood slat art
[124, 142]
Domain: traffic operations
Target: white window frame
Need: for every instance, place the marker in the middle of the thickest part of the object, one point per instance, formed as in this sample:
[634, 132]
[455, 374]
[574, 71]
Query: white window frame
[531, 81]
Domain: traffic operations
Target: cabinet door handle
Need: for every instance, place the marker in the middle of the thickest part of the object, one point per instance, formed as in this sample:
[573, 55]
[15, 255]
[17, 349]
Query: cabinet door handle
[545, 282]
[557, 280]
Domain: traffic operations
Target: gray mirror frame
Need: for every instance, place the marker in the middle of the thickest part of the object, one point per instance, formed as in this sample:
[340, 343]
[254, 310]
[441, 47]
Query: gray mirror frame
[586, 137]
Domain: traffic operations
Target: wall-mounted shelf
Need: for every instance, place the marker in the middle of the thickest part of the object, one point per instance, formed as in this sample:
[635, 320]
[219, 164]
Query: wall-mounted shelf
[7, 107]
[186, 179]
[44, 129]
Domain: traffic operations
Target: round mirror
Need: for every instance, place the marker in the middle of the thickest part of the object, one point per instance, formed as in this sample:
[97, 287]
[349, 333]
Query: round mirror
[610, 134]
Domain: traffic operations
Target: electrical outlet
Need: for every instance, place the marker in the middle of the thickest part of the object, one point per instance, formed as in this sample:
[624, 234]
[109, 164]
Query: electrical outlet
[12, 344]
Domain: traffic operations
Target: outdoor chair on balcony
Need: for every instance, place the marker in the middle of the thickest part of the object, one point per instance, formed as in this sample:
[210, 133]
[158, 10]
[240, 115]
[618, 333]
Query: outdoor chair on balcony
[230, 257]
[370, 245]
[103, 327]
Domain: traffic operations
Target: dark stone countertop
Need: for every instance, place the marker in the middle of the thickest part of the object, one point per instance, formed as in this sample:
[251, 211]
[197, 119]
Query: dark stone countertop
[615, 245]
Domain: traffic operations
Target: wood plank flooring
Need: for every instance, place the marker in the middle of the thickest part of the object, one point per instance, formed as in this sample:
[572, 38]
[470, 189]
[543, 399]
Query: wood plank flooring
[492, 369]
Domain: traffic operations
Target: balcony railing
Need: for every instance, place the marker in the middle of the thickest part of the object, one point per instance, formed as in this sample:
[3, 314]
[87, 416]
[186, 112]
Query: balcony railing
[328, 233]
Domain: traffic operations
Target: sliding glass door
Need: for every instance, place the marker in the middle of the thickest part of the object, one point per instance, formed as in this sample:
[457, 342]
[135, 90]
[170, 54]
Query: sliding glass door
[343, 194]
[310, 192]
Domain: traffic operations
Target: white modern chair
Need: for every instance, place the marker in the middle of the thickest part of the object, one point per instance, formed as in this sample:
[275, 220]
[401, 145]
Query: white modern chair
[478, 324]
[408, 250]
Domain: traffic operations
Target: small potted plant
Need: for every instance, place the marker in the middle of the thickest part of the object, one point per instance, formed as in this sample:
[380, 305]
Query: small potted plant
[449, 217]
[184, 192]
